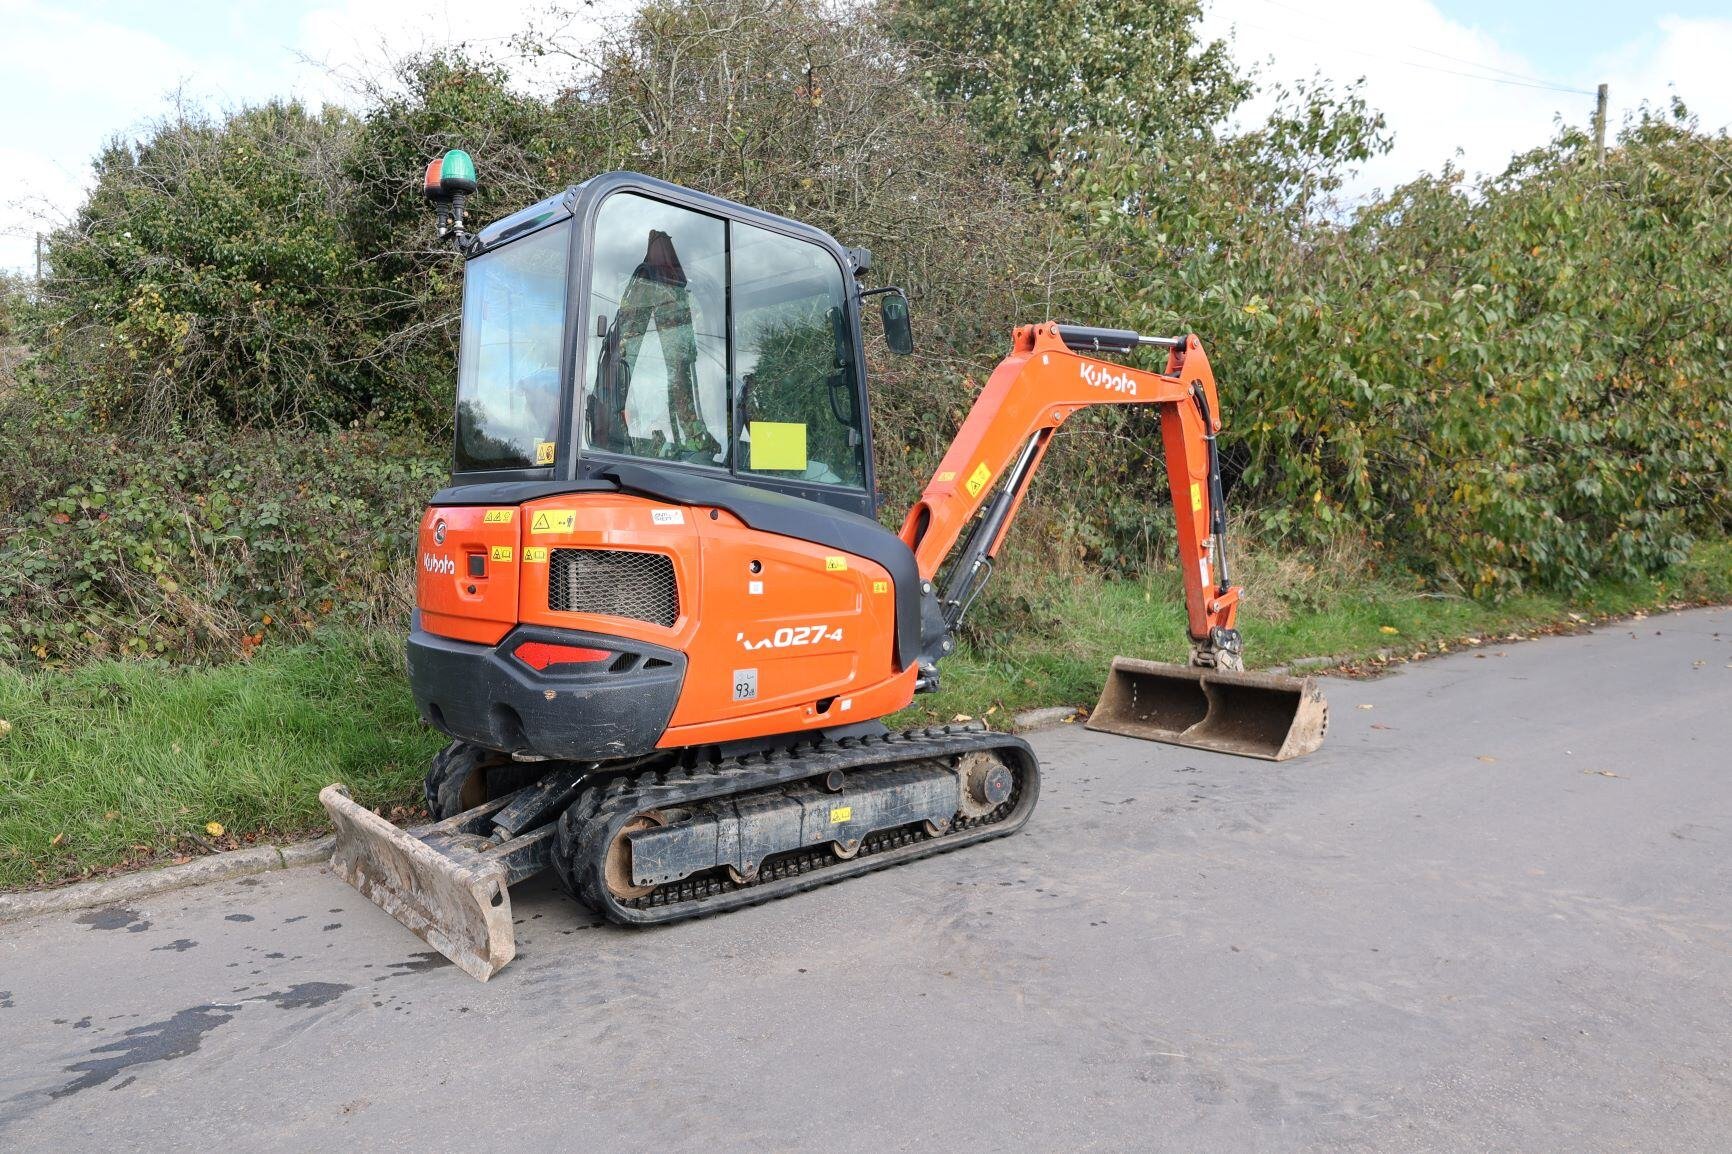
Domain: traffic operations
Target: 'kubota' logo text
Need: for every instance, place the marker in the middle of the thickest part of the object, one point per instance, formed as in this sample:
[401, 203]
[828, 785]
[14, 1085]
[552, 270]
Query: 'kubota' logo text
[795, 635]
[1102, 377]
[438, 564]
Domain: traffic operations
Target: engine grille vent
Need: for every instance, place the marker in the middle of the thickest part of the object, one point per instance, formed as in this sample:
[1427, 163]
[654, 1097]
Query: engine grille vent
[618, 582]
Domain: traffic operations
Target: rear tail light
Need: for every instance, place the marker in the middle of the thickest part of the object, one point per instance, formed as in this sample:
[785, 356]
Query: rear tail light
[539, 655]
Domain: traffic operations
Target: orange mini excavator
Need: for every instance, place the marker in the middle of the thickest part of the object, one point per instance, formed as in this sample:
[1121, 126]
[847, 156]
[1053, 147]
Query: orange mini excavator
[656, 613]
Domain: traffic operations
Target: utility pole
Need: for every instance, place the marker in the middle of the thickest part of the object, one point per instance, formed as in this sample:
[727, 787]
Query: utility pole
[38, 256]
[1600, 127]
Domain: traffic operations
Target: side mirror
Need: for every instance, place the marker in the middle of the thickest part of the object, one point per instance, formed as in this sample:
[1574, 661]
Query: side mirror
[898, 332]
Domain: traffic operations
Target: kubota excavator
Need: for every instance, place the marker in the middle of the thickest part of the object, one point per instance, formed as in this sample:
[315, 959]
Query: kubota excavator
[657, 615]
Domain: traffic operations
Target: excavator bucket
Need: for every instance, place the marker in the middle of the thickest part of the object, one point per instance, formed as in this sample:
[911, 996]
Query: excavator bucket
[1248, 714]
[454, 899]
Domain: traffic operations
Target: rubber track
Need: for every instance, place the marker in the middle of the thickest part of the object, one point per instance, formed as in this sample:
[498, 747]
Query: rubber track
[589, 825]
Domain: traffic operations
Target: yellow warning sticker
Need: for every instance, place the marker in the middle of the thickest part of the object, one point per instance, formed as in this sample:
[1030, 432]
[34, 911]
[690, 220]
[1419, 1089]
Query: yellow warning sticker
[947, 475]
[497, 516]
[535, 554]
[880, 586]
[501, 553]
[1196, 497]
[544, 452]
[553, 521]
[841, 813]
[835, 564]
[977, 480]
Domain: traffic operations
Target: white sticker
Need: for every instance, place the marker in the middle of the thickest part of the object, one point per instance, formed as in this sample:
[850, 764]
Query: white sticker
[847, 704]
[754, 587]
[1203, 568]
[745, 684]
[667, 516]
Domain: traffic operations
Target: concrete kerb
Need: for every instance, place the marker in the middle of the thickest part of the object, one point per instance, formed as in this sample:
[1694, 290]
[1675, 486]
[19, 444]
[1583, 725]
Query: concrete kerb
[1300, 666]
[202, 871]
[1032, 719]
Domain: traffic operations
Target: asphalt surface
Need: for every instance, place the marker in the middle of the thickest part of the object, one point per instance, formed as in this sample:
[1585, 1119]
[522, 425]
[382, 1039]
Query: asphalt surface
[1493, 913]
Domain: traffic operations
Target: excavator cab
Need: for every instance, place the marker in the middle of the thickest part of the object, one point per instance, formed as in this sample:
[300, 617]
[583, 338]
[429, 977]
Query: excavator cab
[656, 613]
[629, 321]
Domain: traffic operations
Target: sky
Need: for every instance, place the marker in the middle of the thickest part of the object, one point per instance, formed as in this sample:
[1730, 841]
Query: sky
[1481, 77]
[1468, 81]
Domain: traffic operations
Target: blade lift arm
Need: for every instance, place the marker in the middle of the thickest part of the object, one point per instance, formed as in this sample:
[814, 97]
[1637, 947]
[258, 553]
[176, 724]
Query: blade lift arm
[1047, 377]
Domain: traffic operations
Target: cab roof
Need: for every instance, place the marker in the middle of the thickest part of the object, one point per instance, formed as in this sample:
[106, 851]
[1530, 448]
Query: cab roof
[562, 205]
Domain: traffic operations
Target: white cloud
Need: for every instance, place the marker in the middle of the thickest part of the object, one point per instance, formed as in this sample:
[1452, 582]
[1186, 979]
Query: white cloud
[1689, 57]
[357, 36]
[1411, 57]
[41, 198]
[120, 75]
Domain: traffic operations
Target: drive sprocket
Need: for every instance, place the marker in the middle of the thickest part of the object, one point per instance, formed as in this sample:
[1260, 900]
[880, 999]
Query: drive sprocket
[463, 776]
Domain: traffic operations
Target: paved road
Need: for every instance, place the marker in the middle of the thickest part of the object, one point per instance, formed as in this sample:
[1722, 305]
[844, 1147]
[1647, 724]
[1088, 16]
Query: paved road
[1493, 913]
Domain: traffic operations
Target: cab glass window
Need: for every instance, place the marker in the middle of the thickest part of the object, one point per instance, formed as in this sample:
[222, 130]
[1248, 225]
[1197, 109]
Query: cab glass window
[794, 361]
[508, 368]
[658, 339]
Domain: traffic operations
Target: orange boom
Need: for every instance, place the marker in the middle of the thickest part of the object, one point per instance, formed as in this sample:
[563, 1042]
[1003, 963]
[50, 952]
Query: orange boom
[657, 614]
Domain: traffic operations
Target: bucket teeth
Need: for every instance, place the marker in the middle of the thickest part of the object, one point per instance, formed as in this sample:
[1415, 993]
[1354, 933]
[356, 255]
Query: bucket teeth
[1247, 714]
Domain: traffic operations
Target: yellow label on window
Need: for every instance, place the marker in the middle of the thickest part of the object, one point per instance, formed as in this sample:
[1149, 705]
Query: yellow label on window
[544, 452]
[502, 553]
[497, 516]
[977, 480]
[535, 554]
[835, 564]
[778, 445]
[841, 813]
[1196, 497]
[553, 521]
[880, 586]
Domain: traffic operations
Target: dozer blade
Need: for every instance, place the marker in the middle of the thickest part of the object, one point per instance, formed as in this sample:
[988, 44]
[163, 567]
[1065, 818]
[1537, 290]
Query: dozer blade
[1249, 714]
[455, 901]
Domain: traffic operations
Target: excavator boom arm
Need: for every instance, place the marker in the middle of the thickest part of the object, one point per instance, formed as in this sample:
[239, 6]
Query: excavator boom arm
[1030, 394]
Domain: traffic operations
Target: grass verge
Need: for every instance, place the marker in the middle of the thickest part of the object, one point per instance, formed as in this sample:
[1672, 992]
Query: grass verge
[122, 764]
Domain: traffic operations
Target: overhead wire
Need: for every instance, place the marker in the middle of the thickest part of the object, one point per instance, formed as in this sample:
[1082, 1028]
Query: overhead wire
[1523, 77]
[1514, 79]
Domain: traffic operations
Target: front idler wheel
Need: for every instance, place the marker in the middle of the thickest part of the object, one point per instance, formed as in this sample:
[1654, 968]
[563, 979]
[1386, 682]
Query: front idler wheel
[616, 869]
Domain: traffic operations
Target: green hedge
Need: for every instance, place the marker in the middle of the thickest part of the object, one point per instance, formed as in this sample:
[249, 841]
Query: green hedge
[1521, 382]
[200, 546]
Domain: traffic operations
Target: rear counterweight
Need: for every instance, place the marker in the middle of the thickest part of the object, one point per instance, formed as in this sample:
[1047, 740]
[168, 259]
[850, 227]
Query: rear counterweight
[616, 706]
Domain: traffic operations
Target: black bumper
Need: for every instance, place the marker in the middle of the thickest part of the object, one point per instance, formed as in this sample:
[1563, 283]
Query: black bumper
[594, 712]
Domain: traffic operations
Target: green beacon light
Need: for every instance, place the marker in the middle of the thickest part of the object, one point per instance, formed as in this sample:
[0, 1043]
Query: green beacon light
[448, 181]
[457, 173]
